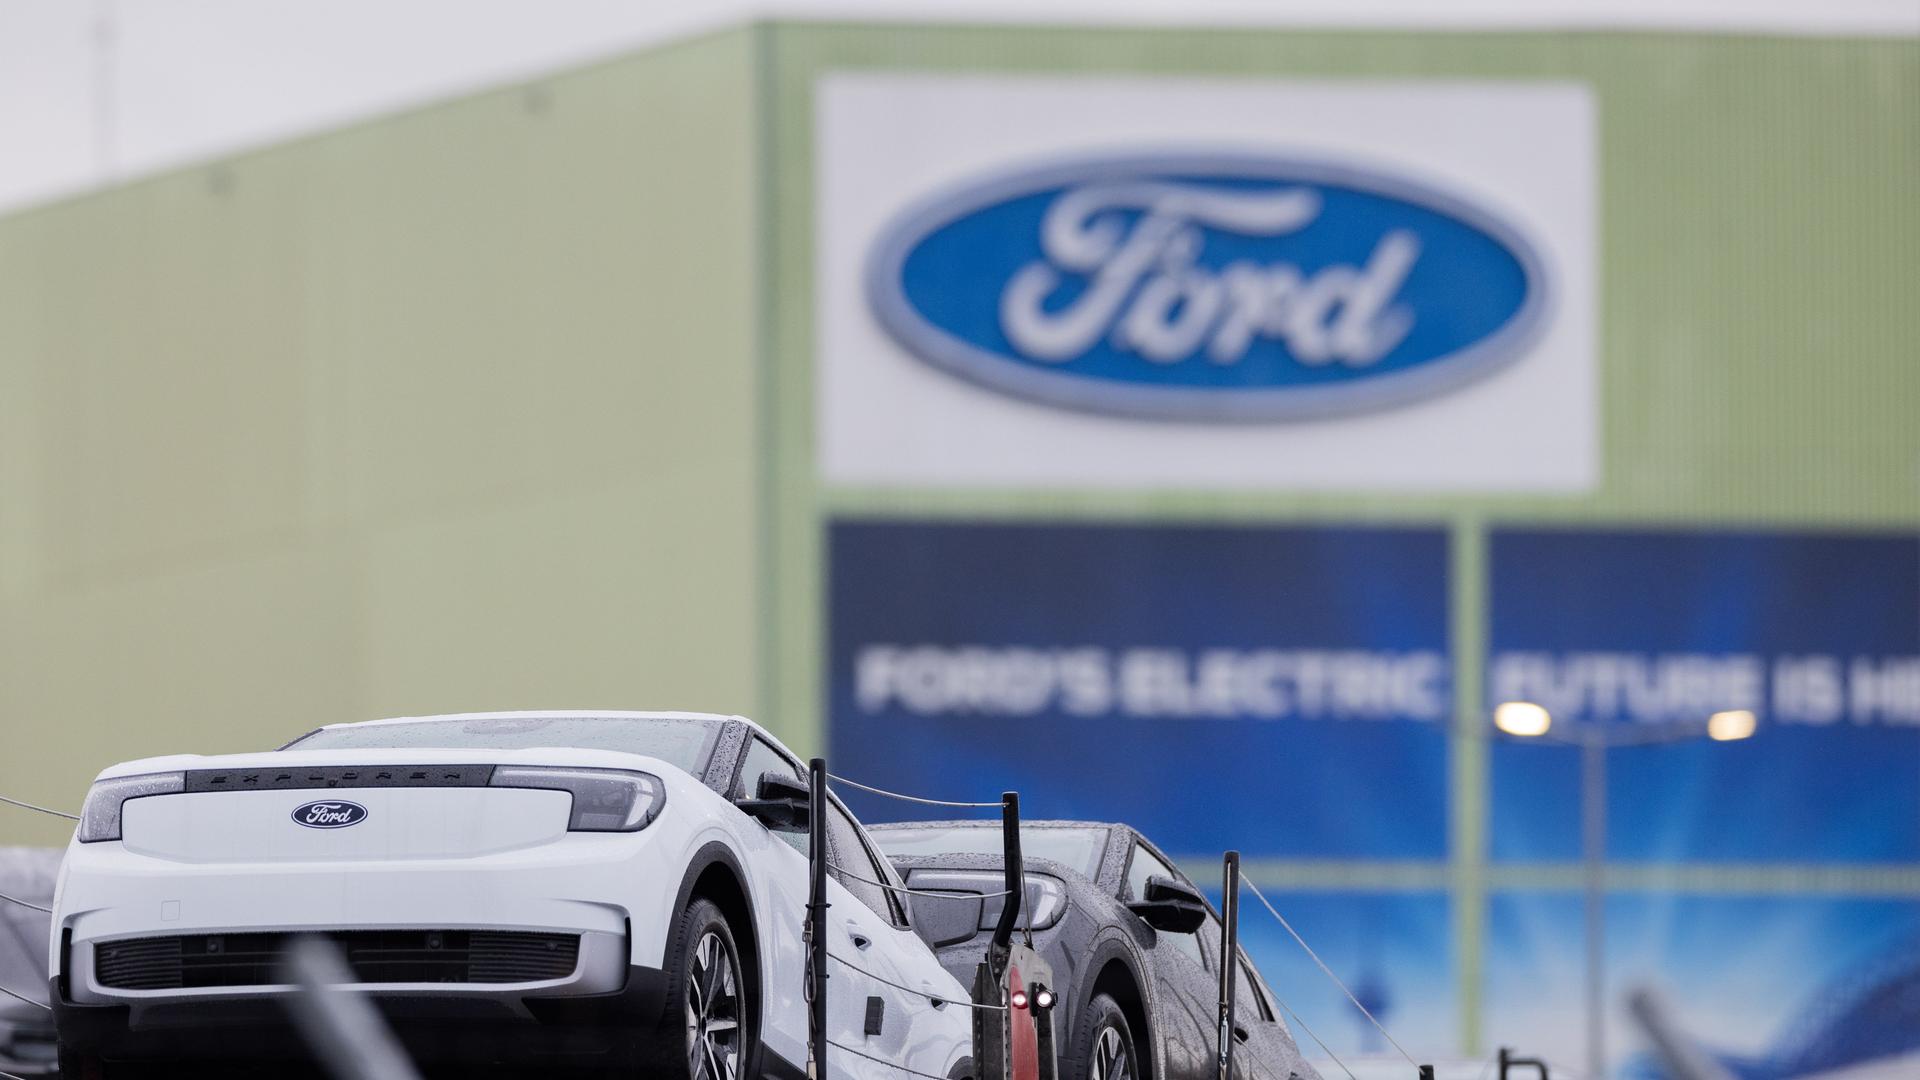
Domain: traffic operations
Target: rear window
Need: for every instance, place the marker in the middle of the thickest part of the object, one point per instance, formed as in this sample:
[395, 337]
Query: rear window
[1077, 849]
[682, 742]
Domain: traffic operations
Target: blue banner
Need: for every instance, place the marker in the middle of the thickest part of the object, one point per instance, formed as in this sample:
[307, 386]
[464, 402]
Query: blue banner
[1283, 691]
[1286, 692]
[1641, 636]
[1785, 941]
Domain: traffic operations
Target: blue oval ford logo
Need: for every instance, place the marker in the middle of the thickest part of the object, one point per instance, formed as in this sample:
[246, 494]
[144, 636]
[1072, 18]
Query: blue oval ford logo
[331, 814]
[1208, 287]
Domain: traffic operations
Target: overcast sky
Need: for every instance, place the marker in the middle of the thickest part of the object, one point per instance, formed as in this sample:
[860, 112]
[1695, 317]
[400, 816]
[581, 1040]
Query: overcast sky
[93, 91]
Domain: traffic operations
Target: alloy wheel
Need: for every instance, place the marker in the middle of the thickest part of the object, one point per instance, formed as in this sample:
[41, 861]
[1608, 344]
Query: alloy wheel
[713, 1011]
[1110, 1058]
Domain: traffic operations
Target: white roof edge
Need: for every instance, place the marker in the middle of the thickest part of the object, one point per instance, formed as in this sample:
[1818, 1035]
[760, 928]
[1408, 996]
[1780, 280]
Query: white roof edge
[1834, 18]
[600, 39]
[1891, 19]
[545, 714]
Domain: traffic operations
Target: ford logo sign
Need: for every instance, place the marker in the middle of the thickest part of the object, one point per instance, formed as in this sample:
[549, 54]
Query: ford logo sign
[1208, 287]
[332, 814]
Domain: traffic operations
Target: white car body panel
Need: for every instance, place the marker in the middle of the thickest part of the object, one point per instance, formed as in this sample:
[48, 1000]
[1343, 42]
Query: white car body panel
[489, 858]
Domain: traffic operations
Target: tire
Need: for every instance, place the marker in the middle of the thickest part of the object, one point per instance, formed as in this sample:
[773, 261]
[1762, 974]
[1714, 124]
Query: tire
[1104, 1047]
[706, 1027]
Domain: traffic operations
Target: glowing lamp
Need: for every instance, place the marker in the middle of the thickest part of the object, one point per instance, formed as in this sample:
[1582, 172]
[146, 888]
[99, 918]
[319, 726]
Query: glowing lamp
[1522, 718]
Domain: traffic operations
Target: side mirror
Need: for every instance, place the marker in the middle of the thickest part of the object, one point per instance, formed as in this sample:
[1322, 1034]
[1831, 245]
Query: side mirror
[1170, 906]
[781, 802]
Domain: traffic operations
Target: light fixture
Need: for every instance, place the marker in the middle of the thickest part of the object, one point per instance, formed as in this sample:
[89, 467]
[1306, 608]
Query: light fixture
[1522, 718]
[1042, 998]
[1019, 999]
[1731, 725]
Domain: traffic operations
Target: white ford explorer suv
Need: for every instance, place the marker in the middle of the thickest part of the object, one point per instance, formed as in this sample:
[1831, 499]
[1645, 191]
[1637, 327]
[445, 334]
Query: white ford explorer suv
[622, 892]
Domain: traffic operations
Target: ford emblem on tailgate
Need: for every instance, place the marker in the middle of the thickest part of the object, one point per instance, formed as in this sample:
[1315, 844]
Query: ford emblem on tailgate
[332, 814]
[1208, 287]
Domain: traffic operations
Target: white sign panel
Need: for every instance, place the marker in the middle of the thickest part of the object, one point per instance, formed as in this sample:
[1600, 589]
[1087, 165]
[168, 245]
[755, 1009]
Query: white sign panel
[1149, 283]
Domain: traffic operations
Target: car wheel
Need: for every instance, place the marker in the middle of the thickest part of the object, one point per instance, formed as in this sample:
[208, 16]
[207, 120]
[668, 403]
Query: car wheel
[1105, 1048]
[704, 1033]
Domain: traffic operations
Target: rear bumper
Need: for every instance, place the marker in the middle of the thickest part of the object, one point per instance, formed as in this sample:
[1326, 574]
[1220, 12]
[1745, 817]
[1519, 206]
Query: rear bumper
[492, 1028]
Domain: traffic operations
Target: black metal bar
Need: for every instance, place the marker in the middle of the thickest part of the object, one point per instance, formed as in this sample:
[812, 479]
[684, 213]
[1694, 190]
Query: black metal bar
[1016, 881]
[1509, 1061]
[1229, 957]
[989, 1025]
[817, 916]
[1016, 878]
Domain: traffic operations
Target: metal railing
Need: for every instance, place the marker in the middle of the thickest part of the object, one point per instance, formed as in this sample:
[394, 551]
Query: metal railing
[1230, 964]
[1000, 948]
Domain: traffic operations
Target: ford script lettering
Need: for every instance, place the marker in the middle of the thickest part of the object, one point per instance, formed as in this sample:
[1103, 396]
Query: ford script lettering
[1208, 288]
[332, 814]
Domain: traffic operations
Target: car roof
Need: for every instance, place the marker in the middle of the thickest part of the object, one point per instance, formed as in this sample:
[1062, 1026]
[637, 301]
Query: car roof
[552, 714]
[734, 729]
[1108, 876]
[1116, 831]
